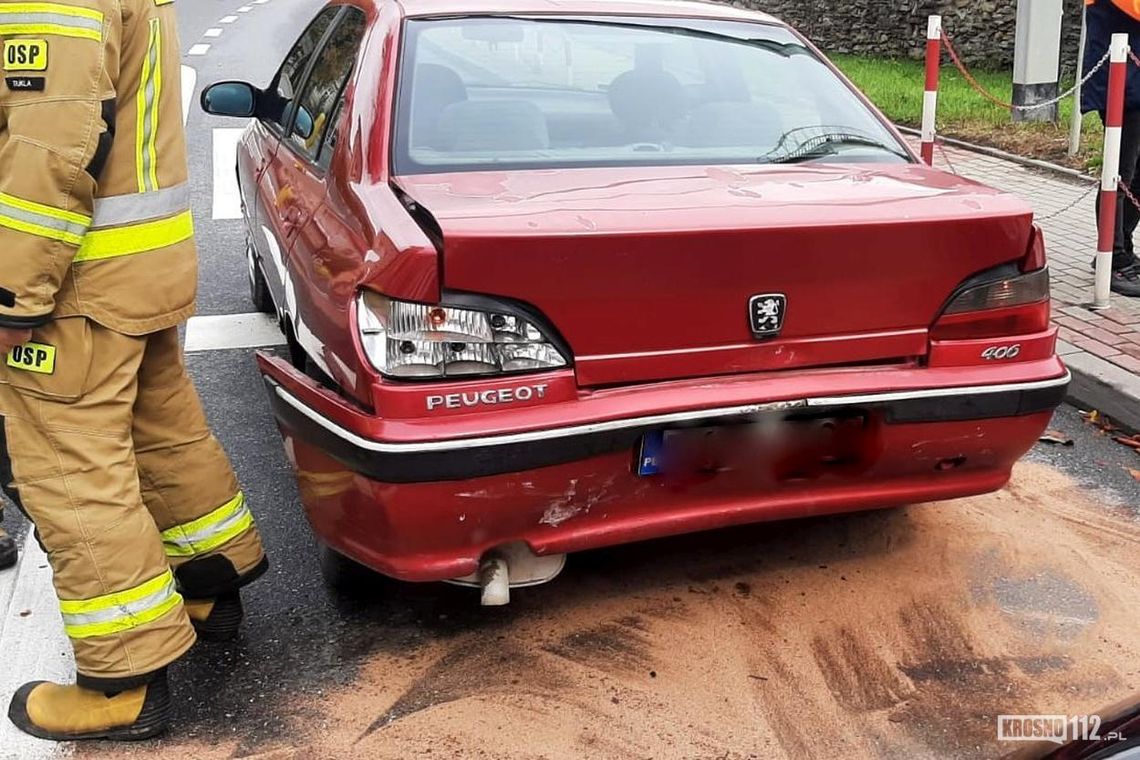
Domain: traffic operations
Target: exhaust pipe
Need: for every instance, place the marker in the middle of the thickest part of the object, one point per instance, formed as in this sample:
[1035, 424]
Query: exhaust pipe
[495, 580]
[513, 564]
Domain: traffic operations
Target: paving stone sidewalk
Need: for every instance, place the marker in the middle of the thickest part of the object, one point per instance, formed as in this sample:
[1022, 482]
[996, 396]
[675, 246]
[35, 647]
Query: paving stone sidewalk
[1102, 348]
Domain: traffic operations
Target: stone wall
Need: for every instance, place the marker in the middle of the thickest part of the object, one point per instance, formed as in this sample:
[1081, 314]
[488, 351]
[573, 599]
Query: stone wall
[982, 30]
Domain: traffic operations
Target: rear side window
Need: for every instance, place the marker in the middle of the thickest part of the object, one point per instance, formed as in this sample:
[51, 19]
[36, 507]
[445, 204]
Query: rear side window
[325, 87]
[287, 84]
[496, 92]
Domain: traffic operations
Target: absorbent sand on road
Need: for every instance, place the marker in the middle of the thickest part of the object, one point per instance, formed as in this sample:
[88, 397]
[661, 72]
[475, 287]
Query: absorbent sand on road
[890, 634]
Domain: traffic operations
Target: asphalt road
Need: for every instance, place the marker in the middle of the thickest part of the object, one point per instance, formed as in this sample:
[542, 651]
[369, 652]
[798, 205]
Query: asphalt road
[696, 647]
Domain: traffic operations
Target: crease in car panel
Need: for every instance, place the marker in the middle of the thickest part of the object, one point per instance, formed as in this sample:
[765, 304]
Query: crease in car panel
[1007, 271]
[427, 223]
[424, 218]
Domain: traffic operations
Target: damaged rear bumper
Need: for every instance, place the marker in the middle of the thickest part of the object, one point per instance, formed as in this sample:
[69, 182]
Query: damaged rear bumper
[419, 502]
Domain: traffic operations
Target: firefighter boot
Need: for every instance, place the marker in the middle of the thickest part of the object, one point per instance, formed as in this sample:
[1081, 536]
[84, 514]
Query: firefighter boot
[8, 552]
[216, 619]
[71, 713]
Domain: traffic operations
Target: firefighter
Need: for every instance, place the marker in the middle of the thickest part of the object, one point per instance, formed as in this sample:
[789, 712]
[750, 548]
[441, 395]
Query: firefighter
[1103, 19]
[103, 442]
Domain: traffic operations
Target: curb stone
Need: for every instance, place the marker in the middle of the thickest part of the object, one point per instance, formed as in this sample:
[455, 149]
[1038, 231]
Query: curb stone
[985, 150]
[1101, 385]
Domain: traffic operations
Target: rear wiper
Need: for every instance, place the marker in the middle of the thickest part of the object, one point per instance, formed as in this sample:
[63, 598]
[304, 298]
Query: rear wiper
[827, 145]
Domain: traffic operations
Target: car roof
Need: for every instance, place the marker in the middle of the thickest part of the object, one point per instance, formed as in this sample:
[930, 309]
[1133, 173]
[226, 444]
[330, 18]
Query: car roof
[667, 8]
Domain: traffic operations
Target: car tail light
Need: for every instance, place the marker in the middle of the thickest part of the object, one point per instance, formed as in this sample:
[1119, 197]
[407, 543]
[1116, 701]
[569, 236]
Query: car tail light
[1016, 304]
[414, 340]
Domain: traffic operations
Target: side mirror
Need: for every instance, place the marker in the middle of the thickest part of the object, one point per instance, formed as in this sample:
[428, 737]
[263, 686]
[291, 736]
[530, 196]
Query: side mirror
[230, 99]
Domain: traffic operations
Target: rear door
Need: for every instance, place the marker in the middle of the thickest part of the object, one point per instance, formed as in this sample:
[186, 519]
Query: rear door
[272, 230]
[302, 176]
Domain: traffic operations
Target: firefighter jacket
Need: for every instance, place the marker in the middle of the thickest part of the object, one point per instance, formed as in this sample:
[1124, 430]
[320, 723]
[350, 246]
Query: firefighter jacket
[1103, 19]
[94, 202]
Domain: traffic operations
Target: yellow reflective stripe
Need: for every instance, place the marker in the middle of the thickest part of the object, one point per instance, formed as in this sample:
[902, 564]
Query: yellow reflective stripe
[207, 533]
[117, 598]
[126, 623]
[62, 10]
[59, 30]
[51, 18]
[146, 112]
[39, 208]
[136, 238]
[141, 119]
[40, 231]
[122, 610]
[43, 221]
[152, 144]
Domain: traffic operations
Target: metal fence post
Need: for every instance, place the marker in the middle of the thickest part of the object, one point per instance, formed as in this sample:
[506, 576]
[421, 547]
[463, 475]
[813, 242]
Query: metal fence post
[930, 96]
[1110, 172]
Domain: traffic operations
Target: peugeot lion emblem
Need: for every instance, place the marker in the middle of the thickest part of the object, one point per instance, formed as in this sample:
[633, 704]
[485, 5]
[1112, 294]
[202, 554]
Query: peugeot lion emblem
[766, 314]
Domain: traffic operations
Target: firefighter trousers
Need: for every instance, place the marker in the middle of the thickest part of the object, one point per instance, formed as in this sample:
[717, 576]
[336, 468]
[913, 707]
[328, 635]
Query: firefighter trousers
[104, 445]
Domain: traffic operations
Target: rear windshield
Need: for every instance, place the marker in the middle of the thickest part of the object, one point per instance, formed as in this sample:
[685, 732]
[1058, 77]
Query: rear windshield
[516, 93]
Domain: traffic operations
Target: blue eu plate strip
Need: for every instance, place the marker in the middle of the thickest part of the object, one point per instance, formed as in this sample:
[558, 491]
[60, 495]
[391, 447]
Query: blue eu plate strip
[649, 460]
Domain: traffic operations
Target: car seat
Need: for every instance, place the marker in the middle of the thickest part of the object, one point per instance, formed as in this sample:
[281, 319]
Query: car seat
[648, 100]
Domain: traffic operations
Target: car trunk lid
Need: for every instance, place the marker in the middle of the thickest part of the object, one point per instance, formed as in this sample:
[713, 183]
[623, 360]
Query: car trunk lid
[649, 273]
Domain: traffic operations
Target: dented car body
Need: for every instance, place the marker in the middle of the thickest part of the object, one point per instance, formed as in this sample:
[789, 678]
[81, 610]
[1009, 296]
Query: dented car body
[576, 274]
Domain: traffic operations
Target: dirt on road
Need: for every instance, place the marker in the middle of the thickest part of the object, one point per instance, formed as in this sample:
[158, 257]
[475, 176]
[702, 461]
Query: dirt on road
[891, 634]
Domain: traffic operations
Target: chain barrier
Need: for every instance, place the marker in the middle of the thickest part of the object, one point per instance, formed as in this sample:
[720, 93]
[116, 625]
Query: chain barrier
[1129, 194]
[938, 40]
[938, 141]
[1077, 202]
[948, 42]
[973, 82]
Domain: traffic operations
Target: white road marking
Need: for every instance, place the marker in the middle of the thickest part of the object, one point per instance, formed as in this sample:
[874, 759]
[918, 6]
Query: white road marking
[245, 9]
[228, 20]
[200, 49]
[34, 645]
[215, 32]
[232, 331]
[227, 194]
[189, 80]
[260, 2]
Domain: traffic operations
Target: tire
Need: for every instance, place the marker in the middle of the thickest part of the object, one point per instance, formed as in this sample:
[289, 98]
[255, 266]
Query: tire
[343, 575]
[258, 288]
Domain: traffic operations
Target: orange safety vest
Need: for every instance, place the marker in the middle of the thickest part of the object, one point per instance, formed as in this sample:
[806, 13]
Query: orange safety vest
[1131, 7]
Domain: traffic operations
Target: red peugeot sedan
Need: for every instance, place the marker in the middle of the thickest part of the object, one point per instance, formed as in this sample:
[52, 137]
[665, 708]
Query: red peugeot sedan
[564, 275]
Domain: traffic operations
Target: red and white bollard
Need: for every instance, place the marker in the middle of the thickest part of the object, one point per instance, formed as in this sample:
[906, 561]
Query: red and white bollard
[1110, 173]
[930, 97]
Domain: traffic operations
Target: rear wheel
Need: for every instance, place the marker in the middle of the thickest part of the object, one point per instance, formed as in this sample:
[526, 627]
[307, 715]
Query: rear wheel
[258, 288]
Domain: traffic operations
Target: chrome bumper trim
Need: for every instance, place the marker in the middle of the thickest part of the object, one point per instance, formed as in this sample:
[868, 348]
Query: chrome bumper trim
[659, 420]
